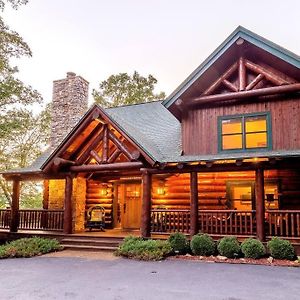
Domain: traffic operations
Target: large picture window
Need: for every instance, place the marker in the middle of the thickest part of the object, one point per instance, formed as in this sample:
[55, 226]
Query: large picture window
[245, 132]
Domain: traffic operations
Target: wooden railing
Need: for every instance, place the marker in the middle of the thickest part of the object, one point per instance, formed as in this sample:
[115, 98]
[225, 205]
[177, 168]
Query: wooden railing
[285, 223]
[227, 222]
[38, 219]
[4, 218]
[167, 221]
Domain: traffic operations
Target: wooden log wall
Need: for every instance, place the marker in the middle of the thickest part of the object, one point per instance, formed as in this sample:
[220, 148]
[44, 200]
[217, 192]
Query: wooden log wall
[212, 189]
[202, 125]
[94, 197]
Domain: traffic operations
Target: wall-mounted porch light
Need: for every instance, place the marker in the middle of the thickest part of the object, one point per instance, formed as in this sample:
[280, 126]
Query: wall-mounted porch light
[104, 190]
[161, 189]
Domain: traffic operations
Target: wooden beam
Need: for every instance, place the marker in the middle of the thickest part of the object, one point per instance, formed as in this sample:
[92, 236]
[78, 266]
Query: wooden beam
[230, 85]
[91, 147]
[106, 167]
[267, 73]
[146, 205]
[68, 205]
[218, 82]
[121, 146]
[58, 161]
[105, 144]
[254, 82]
[245, 94]
[81, 126]
[96, 156]
[14, 221]
[114, 156]
[242, 74]
[194, 203]
[260, 204]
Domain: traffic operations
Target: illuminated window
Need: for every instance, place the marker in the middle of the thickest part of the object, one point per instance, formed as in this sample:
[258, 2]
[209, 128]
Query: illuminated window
[244, 132]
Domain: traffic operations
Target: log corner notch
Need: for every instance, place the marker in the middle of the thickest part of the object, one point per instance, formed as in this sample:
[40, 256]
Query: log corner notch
[146, 204]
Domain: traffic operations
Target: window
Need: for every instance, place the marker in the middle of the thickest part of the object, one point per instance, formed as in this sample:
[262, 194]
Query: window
[245, 132]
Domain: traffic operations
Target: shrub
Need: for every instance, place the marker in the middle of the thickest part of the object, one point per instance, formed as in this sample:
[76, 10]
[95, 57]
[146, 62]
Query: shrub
[281, 249]
[253, 248]
[135, 247]
[28, 247]
[229, 246]
[203, 244]
[178, 242]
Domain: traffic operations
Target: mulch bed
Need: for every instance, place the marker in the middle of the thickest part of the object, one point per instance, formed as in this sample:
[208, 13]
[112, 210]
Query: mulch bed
[251, 261]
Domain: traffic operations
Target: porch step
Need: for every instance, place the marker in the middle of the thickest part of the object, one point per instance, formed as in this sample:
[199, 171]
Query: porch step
[91, 243]
[89, 247]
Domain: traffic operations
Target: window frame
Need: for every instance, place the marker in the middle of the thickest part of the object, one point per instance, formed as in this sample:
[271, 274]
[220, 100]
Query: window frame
[243, 117]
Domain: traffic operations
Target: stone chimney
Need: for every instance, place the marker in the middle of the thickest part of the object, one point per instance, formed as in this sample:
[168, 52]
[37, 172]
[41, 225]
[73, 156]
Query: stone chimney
[69, 103]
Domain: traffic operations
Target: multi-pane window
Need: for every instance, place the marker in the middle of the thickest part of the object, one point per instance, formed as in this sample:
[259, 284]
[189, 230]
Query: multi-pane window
[244, 132]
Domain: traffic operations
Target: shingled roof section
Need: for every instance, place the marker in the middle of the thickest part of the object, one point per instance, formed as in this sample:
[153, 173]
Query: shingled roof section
[152, 127]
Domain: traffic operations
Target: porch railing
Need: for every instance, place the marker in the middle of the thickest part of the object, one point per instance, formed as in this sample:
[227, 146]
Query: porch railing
[168, 221]
[39, 219]
[227, 222]
[285, 223]
[4, 218]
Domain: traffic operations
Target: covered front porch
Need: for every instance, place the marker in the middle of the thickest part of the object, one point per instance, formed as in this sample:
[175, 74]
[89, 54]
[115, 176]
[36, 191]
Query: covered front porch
[248, 203]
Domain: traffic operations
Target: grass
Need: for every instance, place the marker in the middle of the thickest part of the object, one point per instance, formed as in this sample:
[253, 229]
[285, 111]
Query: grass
[28, 247]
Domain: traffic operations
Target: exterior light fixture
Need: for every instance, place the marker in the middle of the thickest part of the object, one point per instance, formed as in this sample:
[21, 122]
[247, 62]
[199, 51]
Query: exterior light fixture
[104, 190]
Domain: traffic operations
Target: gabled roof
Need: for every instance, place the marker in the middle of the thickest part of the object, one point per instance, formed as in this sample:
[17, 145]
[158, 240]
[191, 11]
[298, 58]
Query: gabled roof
[239, 33]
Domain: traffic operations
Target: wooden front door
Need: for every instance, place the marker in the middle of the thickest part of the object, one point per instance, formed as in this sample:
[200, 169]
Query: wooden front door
[129, 196]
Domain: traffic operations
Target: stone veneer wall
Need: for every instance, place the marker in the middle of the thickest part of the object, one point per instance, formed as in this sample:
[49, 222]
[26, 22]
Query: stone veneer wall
[57, 198]
[69, 103]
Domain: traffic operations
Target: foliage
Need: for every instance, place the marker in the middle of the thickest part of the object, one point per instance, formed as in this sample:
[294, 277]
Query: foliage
[123, 89]
[281, 249]
[179, 243]
[252, 248]
[229, 246]
[28, 247]
[135, 247]
[22, 133]
[203, 244]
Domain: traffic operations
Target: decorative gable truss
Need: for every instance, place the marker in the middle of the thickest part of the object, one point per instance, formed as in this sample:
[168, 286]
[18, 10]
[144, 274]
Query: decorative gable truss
[97, 144]
[245, 75]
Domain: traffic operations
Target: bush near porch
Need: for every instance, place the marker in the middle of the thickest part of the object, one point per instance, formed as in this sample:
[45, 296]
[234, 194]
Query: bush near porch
[203, 245]
[28, 247]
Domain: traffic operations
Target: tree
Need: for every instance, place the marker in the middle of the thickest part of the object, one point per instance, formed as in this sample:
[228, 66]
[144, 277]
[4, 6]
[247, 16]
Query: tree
[22, 134]
[123, 89]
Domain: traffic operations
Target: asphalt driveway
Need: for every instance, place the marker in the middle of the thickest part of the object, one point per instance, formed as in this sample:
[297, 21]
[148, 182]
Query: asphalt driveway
[81, 278]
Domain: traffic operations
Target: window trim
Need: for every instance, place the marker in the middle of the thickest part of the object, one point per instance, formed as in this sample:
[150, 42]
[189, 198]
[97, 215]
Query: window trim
[243, 116]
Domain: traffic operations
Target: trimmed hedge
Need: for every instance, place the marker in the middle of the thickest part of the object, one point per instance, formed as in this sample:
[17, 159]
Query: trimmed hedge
[203, 244]
[252, 248]
[229, 246]
[179, 243]
[135, 247]
[28, 247]
[281, 249]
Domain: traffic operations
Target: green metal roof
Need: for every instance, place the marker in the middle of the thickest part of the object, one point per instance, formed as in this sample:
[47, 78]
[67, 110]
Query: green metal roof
[239, 32]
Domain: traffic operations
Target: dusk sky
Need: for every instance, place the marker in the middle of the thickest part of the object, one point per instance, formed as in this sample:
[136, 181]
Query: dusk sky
[167, 39]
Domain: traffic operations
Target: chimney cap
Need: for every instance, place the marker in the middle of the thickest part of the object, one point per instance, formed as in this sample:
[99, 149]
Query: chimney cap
[71, 74]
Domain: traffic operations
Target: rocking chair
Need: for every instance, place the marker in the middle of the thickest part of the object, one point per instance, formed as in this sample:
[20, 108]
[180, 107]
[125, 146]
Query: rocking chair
[96, 218]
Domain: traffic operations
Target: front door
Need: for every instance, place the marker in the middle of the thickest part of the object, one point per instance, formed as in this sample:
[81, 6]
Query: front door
[129, 198]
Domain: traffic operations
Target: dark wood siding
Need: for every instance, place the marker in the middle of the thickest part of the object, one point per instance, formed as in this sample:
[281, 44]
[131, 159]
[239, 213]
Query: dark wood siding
[200, 126]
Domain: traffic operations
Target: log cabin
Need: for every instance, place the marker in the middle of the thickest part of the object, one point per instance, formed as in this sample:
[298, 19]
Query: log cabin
[220, 155]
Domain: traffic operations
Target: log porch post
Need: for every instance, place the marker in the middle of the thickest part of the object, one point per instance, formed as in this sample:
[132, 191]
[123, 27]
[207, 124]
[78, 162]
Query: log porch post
[260, 203]
[146, 204]
[68, 205]
[194, 203]
[14, 221]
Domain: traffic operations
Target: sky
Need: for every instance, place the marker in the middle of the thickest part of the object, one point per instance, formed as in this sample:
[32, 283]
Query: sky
[166, 38]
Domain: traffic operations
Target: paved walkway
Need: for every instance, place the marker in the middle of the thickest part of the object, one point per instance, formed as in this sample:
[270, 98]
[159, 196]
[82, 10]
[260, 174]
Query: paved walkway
[78, 276]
